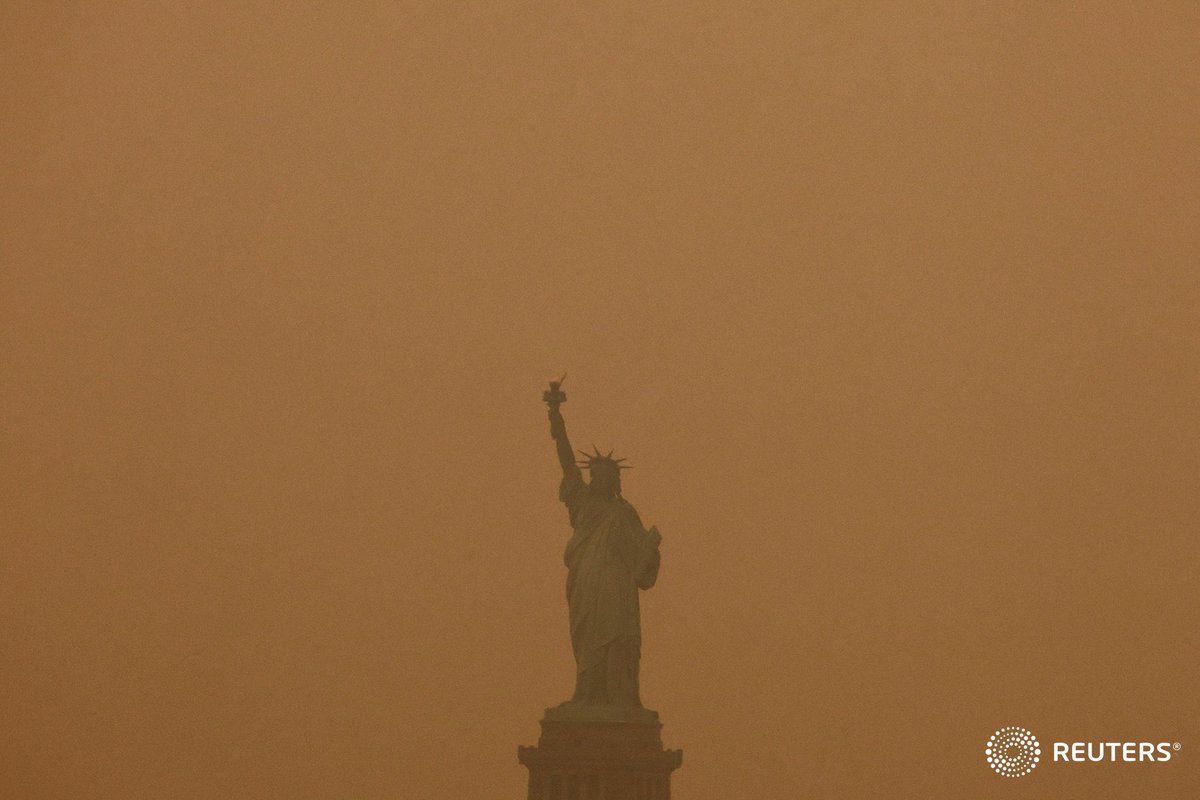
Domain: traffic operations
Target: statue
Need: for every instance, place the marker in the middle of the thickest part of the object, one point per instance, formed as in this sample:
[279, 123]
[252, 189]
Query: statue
[601, 742]
[610, 558]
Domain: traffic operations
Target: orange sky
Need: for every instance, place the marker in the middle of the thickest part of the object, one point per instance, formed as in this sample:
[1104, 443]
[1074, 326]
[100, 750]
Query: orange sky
[893, 308]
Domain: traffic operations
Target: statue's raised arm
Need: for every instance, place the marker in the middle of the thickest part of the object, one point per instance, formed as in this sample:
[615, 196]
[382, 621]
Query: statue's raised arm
[554, 397]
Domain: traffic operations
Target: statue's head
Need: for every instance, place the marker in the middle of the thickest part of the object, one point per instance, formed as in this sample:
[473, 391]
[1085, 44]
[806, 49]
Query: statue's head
[605, 472]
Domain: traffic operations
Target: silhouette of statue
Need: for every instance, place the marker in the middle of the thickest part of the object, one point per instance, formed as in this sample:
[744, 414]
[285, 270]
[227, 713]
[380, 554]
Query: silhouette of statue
[609, 557]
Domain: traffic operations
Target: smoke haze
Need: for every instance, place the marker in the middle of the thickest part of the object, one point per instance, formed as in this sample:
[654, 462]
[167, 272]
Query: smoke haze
[892, 308]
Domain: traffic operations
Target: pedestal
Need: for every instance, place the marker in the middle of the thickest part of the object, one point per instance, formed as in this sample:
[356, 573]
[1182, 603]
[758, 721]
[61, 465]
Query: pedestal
[599, 759]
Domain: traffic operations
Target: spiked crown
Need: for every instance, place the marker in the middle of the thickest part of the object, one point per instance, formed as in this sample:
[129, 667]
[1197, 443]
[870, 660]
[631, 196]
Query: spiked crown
[598, 459]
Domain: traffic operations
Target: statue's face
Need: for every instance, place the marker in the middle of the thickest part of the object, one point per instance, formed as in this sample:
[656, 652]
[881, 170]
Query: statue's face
[606, 479]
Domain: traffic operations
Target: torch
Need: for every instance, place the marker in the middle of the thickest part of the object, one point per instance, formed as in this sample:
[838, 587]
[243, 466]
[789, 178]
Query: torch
[555, 397]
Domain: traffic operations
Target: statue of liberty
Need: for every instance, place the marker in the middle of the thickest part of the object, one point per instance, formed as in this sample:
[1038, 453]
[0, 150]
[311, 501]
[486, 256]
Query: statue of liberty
[609, 558]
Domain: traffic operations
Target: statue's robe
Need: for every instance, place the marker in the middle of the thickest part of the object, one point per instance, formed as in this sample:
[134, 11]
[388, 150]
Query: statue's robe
[609, 558]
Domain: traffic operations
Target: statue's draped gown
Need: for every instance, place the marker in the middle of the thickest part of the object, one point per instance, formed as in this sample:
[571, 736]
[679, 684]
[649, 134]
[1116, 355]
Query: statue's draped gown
[609, 558]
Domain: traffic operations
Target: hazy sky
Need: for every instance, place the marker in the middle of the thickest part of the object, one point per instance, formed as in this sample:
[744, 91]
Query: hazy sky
[894, 307]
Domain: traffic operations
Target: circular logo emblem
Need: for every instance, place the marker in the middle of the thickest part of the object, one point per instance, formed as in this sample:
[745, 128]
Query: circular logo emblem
[1013, 751]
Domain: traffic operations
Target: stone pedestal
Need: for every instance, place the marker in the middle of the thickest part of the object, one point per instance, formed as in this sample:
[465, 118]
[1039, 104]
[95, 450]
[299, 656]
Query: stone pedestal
[599, 759]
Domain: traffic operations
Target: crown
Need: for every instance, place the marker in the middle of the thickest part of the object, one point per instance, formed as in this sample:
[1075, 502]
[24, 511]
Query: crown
[594, 459]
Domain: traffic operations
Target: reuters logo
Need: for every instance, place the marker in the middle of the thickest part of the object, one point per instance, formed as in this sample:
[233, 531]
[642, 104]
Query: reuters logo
[1013, 751]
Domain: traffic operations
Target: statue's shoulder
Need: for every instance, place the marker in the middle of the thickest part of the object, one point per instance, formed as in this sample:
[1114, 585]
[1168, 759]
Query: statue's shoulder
[627, 507]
